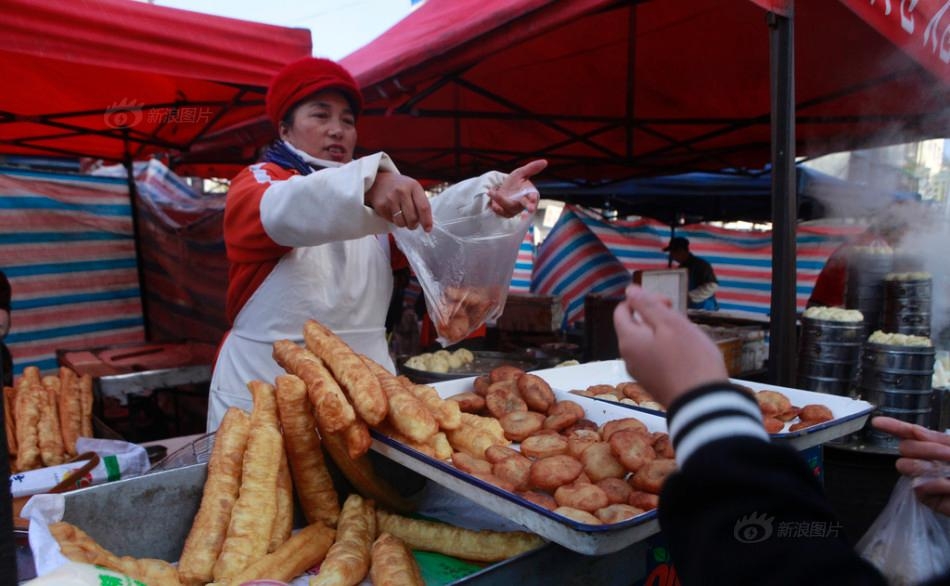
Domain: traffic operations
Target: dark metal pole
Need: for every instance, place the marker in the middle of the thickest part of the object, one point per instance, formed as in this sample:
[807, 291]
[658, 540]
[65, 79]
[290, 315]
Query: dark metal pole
[782, 334]
[139, 261]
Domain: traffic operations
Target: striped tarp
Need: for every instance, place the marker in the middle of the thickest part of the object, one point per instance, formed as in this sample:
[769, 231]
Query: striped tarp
[66, 245]
[524, 265]
[586, 254]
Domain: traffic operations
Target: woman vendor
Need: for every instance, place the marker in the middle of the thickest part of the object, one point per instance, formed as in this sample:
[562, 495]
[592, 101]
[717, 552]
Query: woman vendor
[306, 230]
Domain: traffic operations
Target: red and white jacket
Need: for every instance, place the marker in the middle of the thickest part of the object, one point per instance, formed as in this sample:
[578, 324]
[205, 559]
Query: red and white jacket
[300, 247]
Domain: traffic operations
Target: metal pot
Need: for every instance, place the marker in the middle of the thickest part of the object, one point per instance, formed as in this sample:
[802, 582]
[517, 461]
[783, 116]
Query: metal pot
[828, 369]
[902, 380]
[916, 400]
[832, 331]
[830, 351]
[820, 384]
[915, 359]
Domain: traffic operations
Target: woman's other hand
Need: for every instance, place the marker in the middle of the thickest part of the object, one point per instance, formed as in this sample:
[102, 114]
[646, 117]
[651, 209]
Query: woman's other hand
[664, 351]
[925, 455]
[401, 200]
[516, 193]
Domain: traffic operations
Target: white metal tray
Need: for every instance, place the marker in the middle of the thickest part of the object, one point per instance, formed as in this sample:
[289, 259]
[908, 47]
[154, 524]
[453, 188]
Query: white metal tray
[850, 415]
[579, 537]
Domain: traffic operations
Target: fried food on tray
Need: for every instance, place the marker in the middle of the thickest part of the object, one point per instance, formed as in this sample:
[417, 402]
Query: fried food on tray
[446, 413]
[788, 415]
[406, 413]
[617, 512]
[611, 427]
[802, 425]
[361, 475]
[318, 498]
[580, 424]
[393, 564]
[333, 410]
[616, 489]
[495, 454]
[470, 464]
[578, 515]
[494, 480]
[651, 476]
[489, 425]
[550, 473]
[536, 392]
[480, 385]
[586, 497]
[500, 402]
[355, 378]
[635, 391]
[581, 439]
[80, 547]
[515, 470]
[357, 438]
[632, 448]
[772, 403]
[253, 514]
[600, 462]
[646, 501]
[563, 414]
[542, 499]
[815, 413]
[479, 546]
[348, 560]
[542, 446]
[773, 425]
[505, 372]
[221, 489]
[305, 549]
[85, 404]
[518, 425]
[471, 440]
[469, 401]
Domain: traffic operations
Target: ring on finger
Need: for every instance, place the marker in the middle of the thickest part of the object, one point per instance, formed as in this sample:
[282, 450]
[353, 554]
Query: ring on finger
[399, 213]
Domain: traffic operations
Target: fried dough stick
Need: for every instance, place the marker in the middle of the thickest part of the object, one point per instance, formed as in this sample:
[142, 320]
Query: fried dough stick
[79, 547]
[50, 437]
[447, 413]
[363, 388]
[348, 560]
[70, 409]
[85, 405]
[307, 548]
[481, 546]
[407, 414]
[220, 492]
[318, 497]
[393, 564]
[333, 410]
[29, 403]
[9, 420]
[252, 518]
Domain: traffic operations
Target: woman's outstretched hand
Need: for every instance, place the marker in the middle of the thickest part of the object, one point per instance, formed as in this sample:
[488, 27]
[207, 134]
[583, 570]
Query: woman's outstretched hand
[516, 193]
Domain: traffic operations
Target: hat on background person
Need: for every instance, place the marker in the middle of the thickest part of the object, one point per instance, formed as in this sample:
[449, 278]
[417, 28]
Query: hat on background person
[677, 243]
[304, 78]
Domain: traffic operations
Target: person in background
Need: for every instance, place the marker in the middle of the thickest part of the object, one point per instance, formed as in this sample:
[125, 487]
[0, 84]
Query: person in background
[702, 283]
[306, 230]
[6, 360]
[723, 509]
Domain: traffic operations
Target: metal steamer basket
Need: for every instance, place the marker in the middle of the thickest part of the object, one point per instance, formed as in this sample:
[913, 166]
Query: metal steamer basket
[863, 288]
[899, 380]
[829, 355]
[907, 306]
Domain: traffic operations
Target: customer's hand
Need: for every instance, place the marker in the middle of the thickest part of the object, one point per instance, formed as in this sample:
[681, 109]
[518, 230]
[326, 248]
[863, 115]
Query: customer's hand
[925, 454]
[664, 351]
[401, 200]
[516, 193]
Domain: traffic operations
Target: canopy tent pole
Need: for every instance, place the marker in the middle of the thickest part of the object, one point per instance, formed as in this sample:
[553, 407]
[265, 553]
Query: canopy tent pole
[133, 201]
[782, 333]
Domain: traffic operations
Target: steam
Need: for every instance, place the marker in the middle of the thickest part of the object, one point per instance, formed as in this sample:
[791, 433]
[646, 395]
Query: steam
[927, 243]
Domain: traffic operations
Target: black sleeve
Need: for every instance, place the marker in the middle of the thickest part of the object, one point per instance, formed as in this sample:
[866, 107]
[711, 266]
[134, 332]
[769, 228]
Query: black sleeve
[5, 292]
[707, 275]
[744, 511]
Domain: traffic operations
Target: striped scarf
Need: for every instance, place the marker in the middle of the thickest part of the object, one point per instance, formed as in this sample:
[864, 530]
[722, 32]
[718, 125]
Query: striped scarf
[279, 154]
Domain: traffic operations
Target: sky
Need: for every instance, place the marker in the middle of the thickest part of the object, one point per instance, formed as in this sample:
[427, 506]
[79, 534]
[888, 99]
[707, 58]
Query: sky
[338, 27]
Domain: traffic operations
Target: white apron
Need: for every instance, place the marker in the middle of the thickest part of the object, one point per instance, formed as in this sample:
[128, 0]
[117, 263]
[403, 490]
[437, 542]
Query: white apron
[344, 285]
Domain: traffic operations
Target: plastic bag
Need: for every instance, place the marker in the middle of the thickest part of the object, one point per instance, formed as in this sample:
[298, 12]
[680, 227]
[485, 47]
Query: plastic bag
[908, 542]
[465, 263]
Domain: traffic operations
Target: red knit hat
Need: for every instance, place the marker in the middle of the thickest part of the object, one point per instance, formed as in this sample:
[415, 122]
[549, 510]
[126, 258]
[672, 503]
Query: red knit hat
[304, 78]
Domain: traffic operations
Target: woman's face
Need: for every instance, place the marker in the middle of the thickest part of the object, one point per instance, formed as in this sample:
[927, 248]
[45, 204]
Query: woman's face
[323, 126]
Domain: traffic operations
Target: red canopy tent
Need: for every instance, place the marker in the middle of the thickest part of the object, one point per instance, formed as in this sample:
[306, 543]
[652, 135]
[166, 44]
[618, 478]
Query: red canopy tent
[609, 89]
[111, 78]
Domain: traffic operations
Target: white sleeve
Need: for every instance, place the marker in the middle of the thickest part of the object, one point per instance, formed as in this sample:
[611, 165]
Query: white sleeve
[702, 292]
[325, 206]
[466, 198]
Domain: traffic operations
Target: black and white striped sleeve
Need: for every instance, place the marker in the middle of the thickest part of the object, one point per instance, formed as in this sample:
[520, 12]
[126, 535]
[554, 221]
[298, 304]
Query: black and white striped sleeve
[709, 413]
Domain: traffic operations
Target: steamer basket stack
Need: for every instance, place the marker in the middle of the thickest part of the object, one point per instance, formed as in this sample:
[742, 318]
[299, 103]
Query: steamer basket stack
[867, 267]
[828, 355]
[907, 304]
